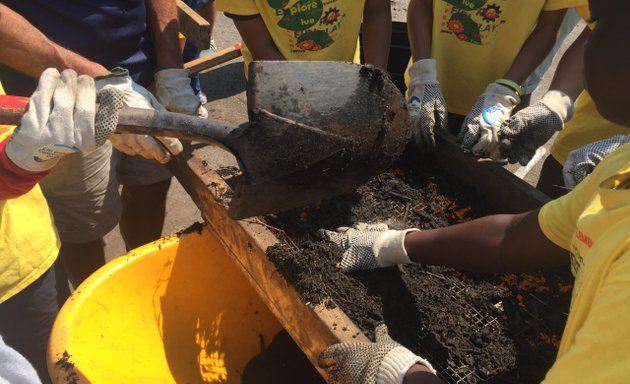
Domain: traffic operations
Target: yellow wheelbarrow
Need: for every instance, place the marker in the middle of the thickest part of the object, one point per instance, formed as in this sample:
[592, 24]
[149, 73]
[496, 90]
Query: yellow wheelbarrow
[175, 310]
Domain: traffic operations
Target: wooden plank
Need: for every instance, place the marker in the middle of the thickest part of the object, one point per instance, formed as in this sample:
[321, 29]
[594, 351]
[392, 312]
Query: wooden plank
[214, 59]
[194, 27]
[312, 327]
[504, 191]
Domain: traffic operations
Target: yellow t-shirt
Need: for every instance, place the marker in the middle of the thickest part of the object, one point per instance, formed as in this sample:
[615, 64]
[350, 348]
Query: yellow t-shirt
[475, 42]
[586, 126]
[305, 30]
[593, 223]
[28, 240]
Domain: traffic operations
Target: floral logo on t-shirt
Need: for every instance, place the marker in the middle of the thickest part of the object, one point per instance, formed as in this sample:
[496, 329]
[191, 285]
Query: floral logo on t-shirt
[312, 26]
[472, 21]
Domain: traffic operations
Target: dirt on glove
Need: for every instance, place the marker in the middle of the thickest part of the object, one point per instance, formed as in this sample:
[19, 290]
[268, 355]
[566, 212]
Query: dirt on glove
[472, 328]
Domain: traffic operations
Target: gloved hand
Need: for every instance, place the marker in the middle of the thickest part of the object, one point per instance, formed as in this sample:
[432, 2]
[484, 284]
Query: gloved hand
[426, 104]
[369, 246]
[136, 96]
[533, 126]
[173, 90]
[60, 120]
[382, 362]
[480, 128]
[581, 162]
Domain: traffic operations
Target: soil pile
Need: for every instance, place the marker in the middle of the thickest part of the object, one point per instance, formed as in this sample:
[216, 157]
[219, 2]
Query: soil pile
[473, 328]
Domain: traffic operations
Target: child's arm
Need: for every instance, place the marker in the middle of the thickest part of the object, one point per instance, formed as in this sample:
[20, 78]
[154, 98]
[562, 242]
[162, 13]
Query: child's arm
[530, 128]
[377, 32]
[420, 28]
[537, 46]
[254, 33]
[497, 243]
[480, 127]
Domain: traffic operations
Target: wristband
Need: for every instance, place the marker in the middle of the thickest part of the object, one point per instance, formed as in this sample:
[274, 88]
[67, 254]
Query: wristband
[510, 84]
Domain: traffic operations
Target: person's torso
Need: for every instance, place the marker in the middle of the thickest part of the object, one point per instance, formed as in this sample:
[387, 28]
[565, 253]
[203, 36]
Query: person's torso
[111, 33]
[28, 240]
[475, 42]
[313, 30]
[601, 239]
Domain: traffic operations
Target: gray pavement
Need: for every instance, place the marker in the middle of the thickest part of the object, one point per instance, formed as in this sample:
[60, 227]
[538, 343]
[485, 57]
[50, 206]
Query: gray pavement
[225, 87]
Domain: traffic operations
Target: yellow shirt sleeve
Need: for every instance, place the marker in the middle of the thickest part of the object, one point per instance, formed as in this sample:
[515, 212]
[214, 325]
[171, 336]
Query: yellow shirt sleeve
[557, 218]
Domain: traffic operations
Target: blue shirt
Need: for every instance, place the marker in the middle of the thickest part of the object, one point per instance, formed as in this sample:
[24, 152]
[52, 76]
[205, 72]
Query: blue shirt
[111, 33]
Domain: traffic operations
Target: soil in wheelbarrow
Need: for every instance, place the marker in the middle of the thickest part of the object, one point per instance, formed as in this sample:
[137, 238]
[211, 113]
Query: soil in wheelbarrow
[473, 328]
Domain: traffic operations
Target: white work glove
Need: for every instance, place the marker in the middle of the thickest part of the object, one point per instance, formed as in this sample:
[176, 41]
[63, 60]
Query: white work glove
[480, 128]
[60, 120]
[173, 90]
[384, 361]
[136, 96]
[532, 127]
[426, 104]
[581, 162]
[369, 246]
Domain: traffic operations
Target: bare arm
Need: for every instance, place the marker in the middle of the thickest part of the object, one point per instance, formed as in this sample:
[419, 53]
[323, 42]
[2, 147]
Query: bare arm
[420, 28]
[568, 75]
[497, 243]
[537, 46]
[26, 49]
[377, 32]
[164, 29]
[258, 40]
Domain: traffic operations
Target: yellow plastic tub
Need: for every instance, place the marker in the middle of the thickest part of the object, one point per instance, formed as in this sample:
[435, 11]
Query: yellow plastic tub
[176, 310]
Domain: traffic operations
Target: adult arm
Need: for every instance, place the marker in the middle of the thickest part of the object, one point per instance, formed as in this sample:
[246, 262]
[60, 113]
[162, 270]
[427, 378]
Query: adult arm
[420, 28]
[497, 243]
[164, 29]
[537, 46]
[568, 75]
[26, 49]
[377, 32]
[257, 38]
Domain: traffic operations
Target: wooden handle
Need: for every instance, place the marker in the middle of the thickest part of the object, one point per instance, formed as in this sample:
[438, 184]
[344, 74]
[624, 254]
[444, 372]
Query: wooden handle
[12, 108]
[214, 59]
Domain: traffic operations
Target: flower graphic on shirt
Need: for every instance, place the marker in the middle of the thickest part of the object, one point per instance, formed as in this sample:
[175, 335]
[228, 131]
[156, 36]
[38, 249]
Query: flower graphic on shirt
[475, 21]
[490, 13]
[455, 26]
[331, 16]
[462, 25]
[314, 40]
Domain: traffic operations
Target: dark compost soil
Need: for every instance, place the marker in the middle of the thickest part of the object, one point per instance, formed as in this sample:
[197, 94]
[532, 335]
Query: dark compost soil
[473, 328]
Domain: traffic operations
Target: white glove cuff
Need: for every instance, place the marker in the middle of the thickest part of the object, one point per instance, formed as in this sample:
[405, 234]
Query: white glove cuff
[498, 89]
[389, 248]
[559, 103]
[396, 364]
[422, 72]
[172, 74]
